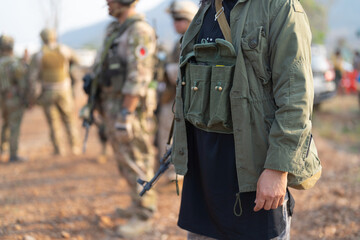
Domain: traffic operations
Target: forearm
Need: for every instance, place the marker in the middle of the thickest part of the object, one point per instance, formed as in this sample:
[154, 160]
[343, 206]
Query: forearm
[130, 102]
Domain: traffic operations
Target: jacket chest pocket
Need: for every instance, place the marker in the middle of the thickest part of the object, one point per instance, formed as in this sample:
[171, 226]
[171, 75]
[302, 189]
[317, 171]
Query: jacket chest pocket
[220, 86]
[198, 101]
[255, 49]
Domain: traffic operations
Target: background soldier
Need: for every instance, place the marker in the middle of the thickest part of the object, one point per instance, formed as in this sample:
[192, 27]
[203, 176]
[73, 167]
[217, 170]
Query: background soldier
[51, 66]
[182, 13]
[5, 132]
[122, 75]
[13, 92]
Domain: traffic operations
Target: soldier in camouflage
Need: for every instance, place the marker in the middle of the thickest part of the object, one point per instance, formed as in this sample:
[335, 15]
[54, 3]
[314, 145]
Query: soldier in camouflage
[126, 70]
[182, 13]
[51, 66]
[12, 98]
[5, 132]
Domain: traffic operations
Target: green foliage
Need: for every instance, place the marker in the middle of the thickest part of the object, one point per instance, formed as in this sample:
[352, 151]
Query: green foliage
[317, 14]
[90, 46]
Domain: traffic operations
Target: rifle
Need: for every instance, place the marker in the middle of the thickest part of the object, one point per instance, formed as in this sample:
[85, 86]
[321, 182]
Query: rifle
[87, 123]
[91, 82]
[165, 162]
[87, 112]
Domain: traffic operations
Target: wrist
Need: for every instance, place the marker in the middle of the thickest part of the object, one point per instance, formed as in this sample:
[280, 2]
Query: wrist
[124, 112]
[277, 171]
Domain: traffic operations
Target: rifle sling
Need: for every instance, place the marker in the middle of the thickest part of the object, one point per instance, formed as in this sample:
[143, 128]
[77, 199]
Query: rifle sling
[223, 23]
[171, 132]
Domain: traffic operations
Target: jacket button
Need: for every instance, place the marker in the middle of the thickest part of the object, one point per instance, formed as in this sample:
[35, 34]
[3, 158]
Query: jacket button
[220, 89]
[183, 83]
[195, 88]
[253, 43]
[181, 152]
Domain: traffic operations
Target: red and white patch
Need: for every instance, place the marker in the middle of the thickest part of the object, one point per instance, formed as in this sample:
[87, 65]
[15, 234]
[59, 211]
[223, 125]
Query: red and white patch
[141, 51]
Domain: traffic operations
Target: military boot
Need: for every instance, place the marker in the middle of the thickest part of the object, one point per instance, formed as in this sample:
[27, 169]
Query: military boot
[135, 227]
[58, 152]
[135, 211]
[102, 158]
[75, 150]
[17, 159]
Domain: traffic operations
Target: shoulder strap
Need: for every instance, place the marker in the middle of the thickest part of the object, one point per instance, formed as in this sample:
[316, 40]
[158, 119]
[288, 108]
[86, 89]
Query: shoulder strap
[223, 23]
[128, 22]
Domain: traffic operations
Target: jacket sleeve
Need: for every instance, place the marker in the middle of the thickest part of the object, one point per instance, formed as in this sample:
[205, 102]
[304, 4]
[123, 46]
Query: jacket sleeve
[20, 77]
[290, 60]
[34, 77]
[140, 59]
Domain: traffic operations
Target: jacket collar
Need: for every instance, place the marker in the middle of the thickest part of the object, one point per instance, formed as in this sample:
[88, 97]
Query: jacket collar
[195, 25]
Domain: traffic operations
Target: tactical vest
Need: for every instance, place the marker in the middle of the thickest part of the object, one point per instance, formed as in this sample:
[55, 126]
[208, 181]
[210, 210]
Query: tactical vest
[53, 65]
[5, 75]
[11, 71]
[209, 71]
[113, 69]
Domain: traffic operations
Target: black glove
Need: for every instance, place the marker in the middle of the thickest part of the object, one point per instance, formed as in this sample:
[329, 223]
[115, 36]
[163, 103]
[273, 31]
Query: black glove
[87, 79]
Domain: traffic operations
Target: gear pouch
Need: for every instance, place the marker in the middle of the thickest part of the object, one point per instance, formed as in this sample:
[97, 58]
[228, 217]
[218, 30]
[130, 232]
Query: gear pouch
[116, 72]
[208, 81]
[220, 86]
[198, 103]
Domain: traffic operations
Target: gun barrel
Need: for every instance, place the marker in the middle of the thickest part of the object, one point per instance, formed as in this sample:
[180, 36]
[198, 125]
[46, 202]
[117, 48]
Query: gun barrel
[87, 127]
[148, 185]
[163, 167]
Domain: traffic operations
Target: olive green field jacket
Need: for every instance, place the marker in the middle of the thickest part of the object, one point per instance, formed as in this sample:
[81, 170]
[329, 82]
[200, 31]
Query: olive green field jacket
[272, 93]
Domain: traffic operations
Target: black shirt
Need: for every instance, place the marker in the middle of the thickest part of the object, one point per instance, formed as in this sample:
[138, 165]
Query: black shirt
[210, 185]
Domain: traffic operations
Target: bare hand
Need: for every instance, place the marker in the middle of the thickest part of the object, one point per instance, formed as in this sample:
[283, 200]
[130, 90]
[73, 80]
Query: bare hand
[271, 190]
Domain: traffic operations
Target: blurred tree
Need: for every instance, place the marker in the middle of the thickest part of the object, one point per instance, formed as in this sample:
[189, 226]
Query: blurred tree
[317, 14]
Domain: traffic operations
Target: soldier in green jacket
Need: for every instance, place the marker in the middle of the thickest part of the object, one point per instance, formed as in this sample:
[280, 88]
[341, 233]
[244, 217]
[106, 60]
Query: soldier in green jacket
[243, 114]
[13, 95]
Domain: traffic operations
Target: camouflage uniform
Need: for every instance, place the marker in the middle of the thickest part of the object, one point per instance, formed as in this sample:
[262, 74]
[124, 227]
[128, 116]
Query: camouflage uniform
[12, 98]
[132, 55]
[51, 67]
[167, 98]
[179, 10]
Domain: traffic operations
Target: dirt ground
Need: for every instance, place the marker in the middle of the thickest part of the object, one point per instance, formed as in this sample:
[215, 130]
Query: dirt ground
[74, 197]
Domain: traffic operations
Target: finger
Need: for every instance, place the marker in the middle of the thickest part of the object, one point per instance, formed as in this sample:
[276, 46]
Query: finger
[282, 199]
[276, 203]
[268, 204]
[259, 204]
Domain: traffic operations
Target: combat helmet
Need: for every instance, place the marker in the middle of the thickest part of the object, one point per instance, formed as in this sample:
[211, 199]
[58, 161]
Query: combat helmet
[48, 35]
[126, 2]
[183, 10]
[6, 42]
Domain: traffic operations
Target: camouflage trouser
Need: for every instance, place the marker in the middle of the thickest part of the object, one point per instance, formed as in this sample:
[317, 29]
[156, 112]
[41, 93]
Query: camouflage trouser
[165, 117]
[59, 106]
[12, 112]
[5, 133]
[138, 150]
[165, 120]
[285, 235]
